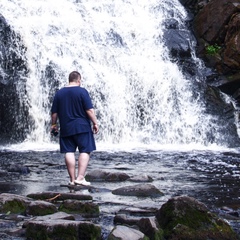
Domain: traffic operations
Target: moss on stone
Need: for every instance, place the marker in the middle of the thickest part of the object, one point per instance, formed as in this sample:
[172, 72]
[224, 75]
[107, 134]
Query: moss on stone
[186, 218]
[13, 206]
[84, 208]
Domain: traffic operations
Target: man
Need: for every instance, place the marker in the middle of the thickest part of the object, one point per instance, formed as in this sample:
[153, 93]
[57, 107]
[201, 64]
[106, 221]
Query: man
[73, 107]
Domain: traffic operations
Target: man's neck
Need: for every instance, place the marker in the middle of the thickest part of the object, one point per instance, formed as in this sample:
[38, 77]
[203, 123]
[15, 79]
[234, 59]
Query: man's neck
[73, 84]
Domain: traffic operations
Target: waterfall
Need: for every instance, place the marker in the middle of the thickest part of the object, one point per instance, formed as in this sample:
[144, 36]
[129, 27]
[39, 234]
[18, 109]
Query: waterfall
[139, 94]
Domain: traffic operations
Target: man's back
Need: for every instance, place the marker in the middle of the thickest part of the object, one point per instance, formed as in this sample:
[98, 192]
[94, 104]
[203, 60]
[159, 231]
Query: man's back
[71, 103]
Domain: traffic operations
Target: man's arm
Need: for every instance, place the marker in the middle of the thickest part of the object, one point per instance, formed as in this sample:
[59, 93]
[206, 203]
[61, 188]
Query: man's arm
[54, 121]
[92, 116]
[54, 118]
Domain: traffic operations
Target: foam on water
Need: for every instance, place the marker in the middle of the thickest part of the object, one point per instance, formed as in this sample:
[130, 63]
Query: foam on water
[141, 97]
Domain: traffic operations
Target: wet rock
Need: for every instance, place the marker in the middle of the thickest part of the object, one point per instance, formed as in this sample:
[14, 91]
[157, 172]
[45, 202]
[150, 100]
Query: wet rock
[13, 203]
[57, 196]
[141, 178]
[40, 208]
[53, 217]
[14, 119]
[96, 175]
[210, 23]
[139, 190]
[125, 233]
[150, 227]
[178, 42]
[87, 209]
[232, 41]
[135, 211]
[186, 218]
[62, 229]
[99, 175]
[126, 220]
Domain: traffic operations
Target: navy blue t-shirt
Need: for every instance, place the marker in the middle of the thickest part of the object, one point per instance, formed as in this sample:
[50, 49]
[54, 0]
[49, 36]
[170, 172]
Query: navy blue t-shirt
[71, 103]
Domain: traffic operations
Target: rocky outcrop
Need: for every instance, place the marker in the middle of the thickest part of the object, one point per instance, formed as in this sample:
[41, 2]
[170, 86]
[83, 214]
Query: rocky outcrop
[186, 218]
[14, 117]
[216, 27]
[179, 218]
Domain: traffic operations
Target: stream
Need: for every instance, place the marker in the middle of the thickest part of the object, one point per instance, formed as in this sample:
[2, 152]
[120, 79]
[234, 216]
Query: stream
[211, 177]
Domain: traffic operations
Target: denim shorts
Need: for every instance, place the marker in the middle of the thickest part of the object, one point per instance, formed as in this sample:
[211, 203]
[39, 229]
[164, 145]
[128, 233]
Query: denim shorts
[85, 143]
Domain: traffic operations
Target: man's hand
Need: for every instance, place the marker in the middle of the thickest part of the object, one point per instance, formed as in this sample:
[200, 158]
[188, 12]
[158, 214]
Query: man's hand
[95, 128]
[54, 130]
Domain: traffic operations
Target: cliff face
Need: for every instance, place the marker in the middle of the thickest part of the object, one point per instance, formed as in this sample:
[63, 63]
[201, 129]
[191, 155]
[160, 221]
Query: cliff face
[14, 119]
[216, 24]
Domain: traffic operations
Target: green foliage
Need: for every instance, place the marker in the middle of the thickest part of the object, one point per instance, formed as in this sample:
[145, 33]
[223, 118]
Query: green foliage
[213, 49]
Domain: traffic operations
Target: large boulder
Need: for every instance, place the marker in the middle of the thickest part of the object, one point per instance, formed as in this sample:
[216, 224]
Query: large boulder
[231, 53]
[186, 218]
[211, 21]
[216, 26]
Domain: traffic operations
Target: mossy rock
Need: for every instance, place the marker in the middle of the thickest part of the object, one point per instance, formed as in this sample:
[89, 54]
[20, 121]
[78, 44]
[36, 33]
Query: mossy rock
[62, 230]
[41, 208]
[87, 209]
[185, 218]
[13, 203]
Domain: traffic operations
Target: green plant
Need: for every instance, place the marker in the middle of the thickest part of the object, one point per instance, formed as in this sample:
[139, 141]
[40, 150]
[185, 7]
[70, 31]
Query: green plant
[212, 49]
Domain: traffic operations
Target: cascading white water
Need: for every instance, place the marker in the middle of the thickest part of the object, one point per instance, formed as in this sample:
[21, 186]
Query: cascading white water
[140, 96]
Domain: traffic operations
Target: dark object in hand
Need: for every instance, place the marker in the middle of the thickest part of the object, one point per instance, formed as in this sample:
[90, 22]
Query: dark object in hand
[54, 132]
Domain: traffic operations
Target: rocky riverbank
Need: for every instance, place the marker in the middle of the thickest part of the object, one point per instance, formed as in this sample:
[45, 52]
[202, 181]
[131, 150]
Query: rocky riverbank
[131, 195]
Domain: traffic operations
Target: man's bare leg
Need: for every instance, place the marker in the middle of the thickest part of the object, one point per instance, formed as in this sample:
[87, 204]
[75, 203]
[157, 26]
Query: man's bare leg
[70, 163]
[83, 160]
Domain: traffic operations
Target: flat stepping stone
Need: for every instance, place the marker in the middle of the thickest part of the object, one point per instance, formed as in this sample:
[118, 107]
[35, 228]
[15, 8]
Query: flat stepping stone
[57, 196]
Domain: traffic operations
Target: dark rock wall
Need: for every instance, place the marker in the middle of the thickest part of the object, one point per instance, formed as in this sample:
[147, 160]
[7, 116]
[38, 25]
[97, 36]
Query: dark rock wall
[14, 118]
[216, 24]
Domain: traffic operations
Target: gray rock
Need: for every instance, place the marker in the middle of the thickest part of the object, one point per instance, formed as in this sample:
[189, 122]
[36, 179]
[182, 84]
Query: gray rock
[62, 229]
[53, 217]
[13, 203]
[141, 178]
[99, 175]
[124, 219]
[139, 190]
[125, 233]
[41, 208]
[87, 209]
[57, 196]
[150, 227]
